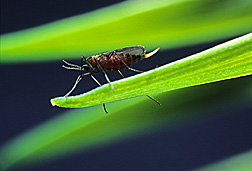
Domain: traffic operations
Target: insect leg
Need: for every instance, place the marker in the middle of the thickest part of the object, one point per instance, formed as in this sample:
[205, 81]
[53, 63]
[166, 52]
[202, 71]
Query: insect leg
[96, 80]
[76, 83]
[154, 100]
[104, 107]
[82, 65]
[146, 95]
[120, 73]
[106, 76]
[132, 69]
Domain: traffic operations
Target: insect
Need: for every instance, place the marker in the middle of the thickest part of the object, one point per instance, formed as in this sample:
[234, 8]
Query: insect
[113, 61]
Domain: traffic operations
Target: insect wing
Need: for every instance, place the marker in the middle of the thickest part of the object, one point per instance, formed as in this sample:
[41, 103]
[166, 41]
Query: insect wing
[133, 50]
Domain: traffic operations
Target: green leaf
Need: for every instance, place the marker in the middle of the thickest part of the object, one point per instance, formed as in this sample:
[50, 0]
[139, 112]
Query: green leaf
[238, 162]
[228, 60]
[159, 23]
[86, 129]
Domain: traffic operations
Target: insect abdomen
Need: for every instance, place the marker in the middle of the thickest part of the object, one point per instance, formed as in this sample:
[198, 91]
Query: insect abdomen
[115, 63]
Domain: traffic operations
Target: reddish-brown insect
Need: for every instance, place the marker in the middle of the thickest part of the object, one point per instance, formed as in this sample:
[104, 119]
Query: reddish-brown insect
[111, 60]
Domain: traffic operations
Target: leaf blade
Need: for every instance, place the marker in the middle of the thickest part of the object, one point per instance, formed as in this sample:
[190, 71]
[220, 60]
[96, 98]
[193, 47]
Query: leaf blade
[215, 64]
[167, 24]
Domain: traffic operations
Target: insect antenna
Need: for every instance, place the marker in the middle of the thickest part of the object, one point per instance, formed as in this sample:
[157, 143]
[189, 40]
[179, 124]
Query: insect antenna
[71, 66]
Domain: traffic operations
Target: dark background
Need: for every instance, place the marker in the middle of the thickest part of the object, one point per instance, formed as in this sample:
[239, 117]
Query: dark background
[187, 147]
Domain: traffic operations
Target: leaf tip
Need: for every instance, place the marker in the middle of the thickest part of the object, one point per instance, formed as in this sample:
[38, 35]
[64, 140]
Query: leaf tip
[53, 102]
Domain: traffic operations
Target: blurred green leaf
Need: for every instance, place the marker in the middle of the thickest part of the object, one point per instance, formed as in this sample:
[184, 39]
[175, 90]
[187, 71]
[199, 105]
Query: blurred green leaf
[241, 162]
[164, 24]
